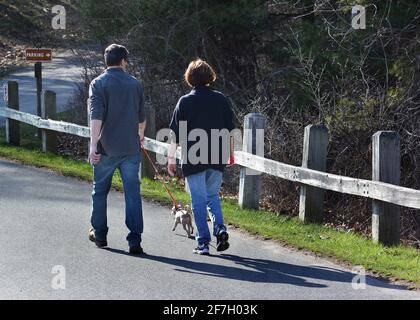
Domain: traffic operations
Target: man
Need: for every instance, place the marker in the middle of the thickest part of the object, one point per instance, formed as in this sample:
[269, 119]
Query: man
[117, 116]
[203, 110]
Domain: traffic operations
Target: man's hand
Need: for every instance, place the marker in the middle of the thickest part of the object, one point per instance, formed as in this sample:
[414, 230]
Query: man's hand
[142, 127]
[95, 129]
[94, 157]
[171, 166]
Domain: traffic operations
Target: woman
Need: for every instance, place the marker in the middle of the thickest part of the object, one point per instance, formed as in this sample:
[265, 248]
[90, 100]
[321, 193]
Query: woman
[205, 114]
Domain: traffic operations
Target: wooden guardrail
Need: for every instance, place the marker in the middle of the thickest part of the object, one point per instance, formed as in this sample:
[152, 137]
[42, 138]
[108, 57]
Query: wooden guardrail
[383, 189]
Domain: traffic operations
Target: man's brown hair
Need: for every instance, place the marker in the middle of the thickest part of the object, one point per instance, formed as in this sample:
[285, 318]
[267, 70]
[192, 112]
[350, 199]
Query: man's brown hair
[114, 54]
[199, 73]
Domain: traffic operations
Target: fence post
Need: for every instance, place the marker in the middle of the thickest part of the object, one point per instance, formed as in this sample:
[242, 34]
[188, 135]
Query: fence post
[150, 132]
[49, 111]
[13, 126]
[386, 168]
[250, 180]
[315, 145]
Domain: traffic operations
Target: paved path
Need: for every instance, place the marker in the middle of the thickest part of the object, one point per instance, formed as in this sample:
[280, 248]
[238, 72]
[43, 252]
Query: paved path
[61, 75]
[44, 222]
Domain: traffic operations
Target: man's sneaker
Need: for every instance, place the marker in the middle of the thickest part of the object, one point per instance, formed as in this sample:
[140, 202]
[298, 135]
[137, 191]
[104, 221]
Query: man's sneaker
[222, 241]
[203, 250]
[99, 243]
[136, 250]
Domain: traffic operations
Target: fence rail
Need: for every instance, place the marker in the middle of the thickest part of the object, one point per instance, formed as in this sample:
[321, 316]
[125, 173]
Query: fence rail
[46, 124]
[386, 196]
[364, 188]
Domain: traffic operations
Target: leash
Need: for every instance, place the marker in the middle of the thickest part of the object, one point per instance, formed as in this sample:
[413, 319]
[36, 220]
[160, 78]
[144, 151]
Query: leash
[162, 180]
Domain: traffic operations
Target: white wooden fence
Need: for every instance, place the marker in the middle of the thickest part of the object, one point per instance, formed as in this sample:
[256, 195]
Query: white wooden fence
[384, 190]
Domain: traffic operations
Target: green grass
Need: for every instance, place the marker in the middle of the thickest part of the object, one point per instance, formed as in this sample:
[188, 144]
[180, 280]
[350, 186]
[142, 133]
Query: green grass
[399, 262]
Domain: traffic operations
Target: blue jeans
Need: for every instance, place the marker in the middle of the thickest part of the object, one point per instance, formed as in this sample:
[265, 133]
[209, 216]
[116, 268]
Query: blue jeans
[204, 190]
[102, 179]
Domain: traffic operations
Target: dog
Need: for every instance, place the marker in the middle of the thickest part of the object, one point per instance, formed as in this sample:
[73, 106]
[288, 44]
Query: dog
[184, 217]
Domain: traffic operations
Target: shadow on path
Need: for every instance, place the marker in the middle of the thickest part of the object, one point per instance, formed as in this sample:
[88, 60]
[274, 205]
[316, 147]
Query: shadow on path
[260, 270]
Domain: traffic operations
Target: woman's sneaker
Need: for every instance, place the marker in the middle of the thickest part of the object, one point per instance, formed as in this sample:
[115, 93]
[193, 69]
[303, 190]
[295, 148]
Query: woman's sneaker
[203, 250]
[222, 241]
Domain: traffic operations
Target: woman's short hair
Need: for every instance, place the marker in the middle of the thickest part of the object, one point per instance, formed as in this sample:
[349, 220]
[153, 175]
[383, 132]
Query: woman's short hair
[114, 54]
[199, 73]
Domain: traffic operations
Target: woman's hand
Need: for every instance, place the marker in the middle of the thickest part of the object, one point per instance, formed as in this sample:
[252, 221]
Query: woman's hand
[231, 160]
[171, 169]
[172, 159]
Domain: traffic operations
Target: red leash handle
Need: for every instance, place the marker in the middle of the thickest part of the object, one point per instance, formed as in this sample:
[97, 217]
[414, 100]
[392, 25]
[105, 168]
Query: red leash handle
[157, 173]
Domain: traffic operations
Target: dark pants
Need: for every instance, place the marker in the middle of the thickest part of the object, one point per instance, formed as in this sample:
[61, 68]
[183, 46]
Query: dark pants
[102, 176]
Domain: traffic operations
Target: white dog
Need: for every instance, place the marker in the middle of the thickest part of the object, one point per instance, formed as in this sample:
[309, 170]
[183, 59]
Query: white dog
[183, 216]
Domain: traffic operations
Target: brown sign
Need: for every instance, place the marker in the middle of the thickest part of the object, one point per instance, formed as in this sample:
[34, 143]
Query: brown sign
[38, 55]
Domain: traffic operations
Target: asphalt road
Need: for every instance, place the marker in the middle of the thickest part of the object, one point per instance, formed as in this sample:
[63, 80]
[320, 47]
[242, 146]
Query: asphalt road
[44, 223]
[61, 75]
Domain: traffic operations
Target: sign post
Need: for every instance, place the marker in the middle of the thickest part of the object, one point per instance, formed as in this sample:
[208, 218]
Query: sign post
[5, 93]
[38, 56]
[38, 77]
